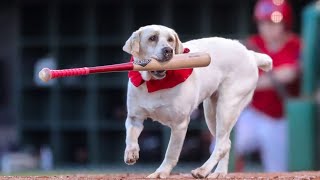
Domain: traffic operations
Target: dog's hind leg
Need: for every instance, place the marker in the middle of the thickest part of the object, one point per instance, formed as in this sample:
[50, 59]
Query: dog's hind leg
[222, 168]
[209, 107]
[229, 105]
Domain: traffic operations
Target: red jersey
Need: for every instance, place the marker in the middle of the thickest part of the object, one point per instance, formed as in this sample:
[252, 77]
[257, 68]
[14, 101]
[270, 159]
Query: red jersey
[269, 101]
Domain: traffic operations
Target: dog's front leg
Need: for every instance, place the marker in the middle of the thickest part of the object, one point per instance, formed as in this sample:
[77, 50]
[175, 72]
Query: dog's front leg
[134, 127]
[177, 137]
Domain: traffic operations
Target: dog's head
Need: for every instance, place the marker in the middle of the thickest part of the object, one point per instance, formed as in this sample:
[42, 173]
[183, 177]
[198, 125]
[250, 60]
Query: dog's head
[154, 41]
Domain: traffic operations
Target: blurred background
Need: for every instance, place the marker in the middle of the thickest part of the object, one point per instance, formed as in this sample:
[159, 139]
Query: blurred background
[79, 121]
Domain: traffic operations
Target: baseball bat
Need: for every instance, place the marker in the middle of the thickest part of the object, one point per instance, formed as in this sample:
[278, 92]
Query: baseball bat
[179, 61]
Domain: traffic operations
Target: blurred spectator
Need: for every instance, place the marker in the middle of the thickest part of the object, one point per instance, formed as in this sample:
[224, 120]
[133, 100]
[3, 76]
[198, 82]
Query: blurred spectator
[262, 126]
[46, 158]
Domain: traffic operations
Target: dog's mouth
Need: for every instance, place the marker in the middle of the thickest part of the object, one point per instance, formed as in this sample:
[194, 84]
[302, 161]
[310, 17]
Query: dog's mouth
[158, 74]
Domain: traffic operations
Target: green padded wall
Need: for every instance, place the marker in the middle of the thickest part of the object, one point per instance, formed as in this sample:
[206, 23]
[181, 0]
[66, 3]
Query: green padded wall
[301, 112]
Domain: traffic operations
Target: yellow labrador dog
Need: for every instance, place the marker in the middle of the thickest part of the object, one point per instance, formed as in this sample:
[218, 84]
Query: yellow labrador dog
[225, 87]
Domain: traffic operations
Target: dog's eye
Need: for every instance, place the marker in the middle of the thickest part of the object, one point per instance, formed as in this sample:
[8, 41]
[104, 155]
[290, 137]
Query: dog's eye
[170, 39]
[153, 38]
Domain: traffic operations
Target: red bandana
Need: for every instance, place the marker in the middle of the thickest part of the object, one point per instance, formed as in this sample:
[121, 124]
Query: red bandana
[173, 78]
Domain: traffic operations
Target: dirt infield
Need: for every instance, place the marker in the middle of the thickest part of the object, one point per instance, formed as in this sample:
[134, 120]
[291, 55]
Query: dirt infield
[125, 176]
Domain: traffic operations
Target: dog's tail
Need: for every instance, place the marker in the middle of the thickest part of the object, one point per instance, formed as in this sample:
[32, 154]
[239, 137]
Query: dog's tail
[263, 61]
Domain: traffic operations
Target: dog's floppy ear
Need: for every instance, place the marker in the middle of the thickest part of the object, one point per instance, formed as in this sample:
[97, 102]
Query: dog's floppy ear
[132, 45]
[179, 46]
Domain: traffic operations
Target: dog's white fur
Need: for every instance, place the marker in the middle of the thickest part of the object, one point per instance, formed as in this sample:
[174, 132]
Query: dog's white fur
[225, 87]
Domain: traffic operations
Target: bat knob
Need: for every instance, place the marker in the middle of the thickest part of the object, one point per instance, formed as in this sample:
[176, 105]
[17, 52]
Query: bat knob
[45, 74]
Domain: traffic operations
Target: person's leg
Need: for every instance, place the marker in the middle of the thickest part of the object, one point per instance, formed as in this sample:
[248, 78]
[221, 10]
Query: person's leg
[274, 145]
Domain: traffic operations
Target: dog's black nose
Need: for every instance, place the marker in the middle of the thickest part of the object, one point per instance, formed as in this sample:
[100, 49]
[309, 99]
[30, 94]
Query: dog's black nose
[167, 50]
[167, 53]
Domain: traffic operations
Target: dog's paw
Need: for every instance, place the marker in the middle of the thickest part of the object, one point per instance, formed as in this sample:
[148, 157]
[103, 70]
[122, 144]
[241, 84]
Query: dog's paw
[131, 156]
[157, 175]
[217, 175]
[199, 173]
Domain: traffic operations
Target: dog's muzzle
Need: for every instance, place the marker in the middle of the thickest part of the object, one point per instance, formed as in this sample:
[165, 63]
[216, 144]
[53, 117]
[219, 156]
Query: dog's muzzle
[167, 53]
